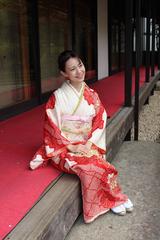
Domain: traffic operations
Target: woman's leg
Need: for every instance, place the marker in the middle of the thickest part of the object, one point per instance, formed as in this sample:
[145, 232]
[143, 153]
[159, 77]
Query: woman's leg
[100, 189]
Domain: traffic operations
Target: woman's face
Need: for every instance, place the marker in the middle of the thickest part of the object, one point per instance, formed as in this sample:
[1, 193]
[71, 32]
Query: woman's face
[74, 70]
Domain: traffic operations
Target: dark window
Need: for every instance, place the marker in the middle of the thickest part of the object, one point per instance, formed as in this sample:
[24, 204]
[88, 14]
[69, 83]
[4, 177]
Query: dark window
[85, 34]
[54, 38]
[15, 84]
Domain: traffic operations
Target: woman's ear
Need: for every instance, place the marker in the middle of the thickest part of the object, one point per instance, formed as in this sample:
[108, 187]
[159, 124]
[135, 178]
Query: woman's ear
[63, 74]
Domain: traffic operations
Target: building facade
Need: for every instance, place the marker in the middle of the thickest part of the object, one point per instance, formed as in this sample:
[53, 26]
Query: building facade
[33, 33]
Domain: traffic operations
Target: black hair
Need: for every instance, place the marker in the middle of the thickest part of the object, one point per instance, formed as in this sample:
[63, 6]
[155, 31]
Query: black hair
[64, 57]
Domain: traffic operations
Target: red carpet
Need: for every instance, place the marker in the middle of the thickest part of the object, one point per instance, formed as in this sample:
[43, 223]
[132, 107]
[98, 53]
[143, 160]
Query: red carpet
[20, 137]
[20, 187]
[111, 90]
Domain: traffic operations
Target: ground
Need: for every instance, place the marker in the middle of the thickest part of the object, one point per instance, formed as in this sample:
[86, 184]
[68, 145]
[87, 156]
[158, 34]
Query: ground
[149, 119]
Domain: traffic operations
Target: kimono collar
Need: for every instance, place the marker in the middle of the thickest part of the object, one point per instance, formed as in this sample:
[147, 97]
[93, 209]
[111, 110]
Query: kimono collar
[75, 90]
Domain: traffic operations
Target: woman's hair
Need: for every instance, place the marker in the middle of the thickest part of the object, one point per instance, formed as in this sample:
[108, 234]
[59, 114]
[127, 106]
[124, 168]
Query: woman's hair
[64, 57]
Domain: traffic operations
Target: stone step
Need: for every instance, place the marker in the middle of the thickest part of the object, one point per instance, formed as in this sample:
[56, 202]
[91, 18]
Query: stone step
[157, 86]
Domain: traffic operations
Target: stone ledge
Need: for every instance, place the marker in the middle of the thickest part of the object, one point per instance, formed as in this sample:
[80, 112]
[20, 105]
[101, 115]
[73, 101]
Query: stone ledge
[158, 86]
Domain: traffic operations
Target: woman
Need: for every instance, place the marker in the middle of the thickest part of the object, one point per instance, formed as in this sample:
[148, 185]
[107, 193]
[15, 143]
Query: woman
[74, 141]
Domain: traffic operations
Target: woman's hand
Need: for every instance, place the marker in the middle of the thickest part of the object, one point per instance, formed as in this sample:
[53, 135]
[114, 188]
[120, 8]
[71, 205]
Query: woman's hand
[72, 148]
[80, 148]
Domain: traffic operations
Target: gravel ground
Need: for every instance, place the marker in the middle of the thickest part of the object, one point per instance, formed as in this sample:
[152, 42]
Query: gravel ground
[149, 119]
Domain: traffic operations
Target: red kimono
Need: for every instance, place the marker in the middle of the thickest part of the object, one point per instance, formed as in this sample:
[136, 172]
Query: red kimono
[78, 119]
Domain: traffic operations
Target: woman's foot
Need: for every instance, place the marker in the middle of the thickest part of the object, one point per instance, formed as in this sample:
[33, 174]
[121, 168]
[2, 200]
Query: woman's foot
[119, 210]
[128, 205]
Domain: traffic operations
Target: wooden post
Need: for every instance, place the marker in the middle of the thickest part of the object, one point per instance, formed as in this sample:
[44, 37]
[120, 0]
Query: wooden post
[24, 50]
[148, 46]
[128, 52]
[137, 68]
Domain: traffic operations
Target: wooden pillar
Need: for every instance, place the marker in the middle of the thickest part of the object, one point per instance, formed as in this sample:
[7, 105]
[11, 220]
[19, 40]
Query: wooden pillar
[158, 44]
[128, 52]
[148, 46]
[34, 46]
[137, 68]
[153, 42]
[128, 57]
[24, 50]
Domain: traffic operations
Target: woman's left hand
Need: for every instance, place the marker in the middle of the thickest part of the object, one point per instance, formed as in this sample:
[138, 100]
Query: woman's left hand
[81, 148]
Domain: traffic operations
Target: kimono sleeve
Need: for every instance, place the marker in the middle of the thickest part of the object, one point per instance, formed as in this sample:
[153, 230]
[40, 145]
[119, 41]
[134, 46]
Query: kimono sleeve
[53, 138]
[98, 133]
[53, 141]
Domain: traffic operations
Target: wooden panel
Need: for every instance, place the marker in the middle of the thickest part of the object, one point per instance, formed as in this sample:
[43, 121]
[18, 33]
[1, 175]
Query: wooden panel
[147, 89]
[117, 130]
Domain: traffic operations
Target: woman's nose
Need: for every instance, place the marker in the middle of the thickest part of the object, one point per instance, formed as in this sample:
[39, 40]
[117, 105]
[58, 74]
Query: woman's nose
[78, 69]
